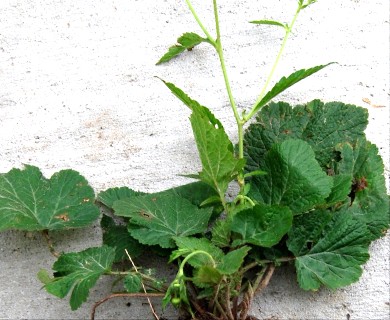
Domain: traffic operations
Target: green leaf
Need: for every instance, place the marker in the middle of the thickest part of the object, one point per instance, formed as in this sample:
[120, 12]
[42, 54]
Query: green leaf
[81, 271]
[263, 225]
[132, 283]
[206, 276]
[192, 104]
[335, 260]
[118, 237]
[369, 201]
[232, 261]
[294, 179]
[28, 201]
[44, 277]
[109, 196]
[186, 42]
[195, 192]
[285, 83]
[221, 233]
[219, 164]
[270, 22]
[323, 126]
[155, 219]
[330, 124]
[307, 230]
[187, 245]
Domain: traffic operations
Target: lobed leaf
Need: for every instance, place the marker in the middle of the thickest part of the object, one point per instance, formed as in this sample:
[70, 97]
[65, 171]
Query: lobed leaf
[29, 201]
[80, 271]
[155, 219]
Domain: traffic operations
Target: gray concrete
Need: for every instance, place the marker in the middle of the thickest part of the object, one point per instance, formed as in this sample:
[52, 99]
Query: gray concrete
[78, 91]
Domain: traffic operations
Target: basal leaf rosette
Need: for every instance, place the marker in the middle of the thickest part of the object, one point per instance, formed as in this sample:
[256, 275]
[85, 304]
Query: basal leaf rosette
[29, 201]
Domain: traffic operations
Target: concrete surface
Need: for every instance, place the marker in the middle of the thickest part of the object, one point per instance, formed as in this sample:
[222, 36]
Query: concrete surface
[77, 90]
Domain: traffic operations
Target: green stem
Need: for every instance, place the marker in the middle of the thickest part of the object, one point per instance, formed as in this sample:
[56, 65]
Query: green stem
[281, 50]
[181, 268]
[209, 37]
[239, 121]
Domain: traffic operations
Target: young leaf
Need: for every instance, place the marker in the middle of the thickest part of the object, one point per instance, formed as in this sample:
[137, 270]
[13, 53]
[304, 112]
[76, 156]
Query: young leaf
[132, 283]
[109, 196]
[206, 276]
[81, 271]
[118, 237]
[155, 219]
[28, 201]
[270, 22]
[294, 179]
[221, 233]
[335, 260]
[186, 42]
[262, 225]
[233, 260]
[285, 83]
[219, 164]
[187, 245]
[369, 200]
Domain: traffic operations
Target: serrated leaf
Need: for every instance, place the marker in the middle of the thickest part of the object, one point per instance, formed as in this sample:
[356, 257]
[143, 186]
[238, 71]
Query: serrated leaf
[155, 219]
[335, 260]
[285, 83]
[233, 260]
[186, 42]
[29, 201]
[323, 126]
[192, 104]
[307, 230]
[132, 283]
[369, 200]
[270, 22]
[219, 165]
[221, 233]
[109, 196]
[118, 237]
[340, 190]
[294, 179]
[80, 271]
[187, 245]
[263, 225]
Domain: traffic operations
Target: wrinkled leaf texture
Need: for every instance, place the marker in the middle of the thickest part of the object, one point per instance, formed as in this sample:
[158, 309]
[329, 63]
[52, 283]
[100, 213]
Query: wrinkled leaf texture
[29, 201]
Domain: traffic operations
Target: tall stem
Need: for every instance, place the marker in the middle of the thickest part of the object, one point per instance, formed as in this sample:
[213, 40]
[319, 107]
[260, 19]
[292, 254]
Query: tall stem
[274, 66]
[239, 121]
